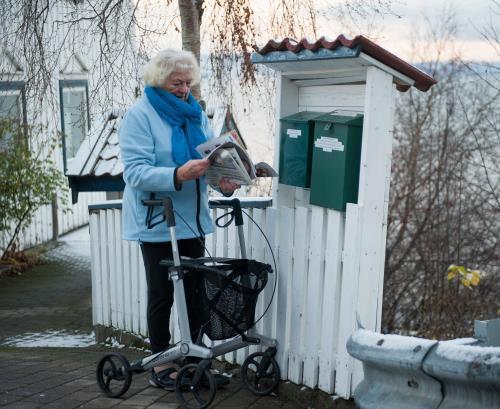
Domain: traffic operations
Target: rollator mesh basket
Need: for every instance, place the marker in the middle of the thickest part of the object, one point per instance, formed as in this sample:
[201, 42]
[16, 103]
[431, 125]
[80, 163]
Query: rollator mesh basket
[229, 295]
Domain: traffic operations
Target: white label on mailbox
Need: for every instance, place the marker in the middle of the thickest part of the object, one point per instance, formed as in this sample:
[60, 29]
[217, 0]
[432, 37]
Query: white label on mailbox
[329, 144]
[294, 133]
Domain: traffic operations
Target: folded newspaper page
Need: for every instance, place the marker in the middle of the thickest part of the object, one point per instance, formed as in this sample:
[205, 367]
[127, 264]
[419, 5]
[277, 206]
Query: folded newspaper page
[229, 160]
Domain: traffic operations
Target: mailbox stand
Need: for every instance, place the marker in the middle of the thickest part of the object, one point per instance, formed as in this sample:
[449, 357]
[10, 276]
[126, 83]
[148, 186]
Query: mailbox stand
[359, 77]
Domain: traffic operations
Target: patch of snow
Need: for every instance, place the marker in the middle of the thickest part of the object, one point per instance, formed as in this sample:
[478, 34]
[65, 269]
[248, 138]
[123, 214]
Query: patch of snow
[468, 353]
[80, 234]
[143, 349]
[460, 341]
[78, 241]
[114, 343]
[457, 350]
[367, 338]
[58, 339]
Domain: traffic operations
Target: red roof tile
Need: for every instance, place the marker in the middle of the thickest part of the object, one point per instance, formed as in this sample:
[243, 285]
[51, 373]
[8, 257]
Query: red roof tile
[422, 80]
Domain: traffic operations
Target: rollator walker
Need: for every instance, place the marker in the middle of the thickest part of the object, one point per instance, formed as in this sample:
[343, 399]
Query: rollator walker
[229, 293]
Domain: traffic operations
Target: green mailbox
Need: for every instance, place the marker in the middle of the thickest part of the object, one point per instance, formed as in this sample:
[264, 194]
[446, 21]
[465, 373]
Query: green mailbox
[296, 139]
[335, 160]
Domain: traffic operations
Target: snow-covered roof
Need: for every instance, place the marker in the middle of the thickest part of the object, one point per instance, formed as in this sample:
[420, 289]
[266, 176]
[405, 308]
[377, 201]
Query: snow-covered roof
[97, 166]
[99, 154]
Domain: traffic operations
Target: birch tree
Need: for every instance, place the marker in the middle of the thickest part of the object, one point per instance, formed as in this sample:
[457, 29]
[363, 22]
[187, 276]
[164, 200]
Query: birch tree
[229, 28]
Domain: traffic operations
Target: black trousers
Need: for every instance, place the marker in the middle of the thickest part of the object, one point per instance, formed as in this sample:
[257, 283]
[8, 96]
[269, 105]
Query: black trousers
[161, 290]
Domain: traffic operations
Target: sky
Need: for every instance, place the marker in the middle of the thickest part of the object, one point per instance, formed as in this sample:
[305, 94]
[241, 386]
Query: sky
[472, 17]
[393, 32]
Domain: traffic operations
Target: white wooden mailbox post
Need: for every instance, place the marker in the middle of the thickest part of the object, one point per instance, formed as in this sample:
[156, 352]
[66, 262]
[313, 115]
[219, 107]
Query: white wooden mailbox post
[339, 281]
[330, 264]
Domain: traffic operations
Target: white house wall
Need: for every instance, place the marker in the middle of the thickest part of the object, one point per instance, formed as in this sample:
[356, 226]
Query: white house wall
[47, 111]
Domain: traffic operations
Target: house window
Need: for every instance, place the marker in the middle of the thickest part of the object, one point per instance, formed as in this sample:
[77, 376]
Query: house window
[75, 117]
[12, 105]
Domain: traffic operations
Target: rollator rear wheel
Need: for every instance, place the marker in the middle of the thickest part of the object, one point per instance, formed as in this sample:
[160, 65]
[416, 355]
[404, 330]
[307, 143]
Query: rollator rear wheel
[113, 375]
[260, 373]
[191, 395]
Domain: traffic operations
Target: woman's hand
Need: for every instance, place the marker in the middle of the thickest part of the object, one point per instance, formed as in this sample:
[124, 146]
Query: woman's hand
[227, 187]
[192, 169]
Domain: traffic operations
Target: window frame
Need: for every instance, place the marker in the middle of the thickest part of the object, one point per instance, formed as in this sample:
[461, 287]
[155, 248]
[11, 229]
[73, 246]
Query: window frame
[19, 86]
[70, 84]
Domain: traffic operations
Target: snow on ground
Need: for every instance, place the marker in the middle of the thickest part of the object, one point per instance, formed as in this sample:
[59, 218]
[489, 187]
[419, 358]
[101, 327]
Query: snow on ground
[59, 339]
[78, 241]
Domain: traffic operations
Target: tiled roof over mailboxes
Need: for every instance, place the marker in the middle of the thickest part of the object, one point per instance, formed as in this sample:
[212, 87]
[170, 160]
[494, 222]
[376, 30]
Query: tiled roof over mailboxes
[281, 54]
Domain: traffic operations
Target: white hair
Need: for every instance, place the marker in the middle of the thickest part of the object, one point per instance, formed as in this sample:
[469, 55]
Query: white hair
[168, 61]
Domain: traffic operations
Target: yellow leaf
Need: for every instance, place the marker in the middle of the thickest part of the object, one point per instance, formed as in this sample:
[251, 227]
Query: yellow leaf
[468, 278]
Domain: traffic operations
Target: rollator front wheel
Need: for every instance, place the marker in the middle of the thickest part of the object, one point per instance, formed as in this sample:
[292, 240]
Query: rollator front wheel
[113, 375]
[194, 394]
[260, 373]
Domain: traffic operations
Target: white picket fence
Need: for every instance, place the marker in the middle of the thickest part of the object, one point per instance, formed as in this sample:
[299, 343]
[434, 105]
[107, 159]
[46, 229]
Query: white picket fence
[313, 305]
[41, 229]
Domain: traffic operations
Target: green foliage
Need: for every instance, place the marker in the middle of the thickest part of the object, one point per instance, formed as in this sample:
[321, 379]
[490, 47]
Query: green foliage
[29, 178]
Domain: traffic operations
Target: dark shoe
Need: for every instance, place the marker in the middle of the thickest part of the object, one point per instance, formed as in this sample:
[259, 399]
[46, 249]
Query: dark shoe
[220, 380]
[162, 379]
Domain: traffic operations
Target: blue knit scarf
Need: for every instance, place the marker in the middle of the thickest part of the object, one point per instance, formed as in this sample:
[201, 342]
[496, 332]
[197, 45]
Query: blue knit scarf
[185, 119]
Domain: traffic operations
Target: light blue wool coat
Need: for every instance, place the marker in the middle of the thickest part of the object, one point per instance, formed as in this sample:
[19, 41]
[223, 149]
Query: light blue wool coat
[146, 150]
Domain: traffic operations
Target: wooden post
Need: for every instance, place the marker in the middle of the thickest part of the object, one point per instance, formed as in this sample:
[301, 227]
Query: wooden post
[55, 220]
[365, 239]
[374, 181]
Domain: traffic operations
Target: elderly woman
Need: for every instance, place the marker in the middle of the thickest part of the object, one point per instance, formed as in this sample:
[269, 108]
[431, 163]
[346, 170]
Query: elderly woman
[158, 137]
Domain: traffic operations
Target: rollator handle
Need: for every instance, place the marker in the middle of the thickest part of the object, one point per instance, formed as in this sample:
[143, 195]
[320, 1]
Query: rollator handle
[238, 216]
[235, 204]
[168, 210]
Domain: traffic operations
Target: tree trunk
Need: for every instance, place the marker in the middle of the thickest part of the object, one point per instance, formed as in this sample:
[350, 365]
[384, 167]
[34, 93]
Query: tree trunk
[190, 27]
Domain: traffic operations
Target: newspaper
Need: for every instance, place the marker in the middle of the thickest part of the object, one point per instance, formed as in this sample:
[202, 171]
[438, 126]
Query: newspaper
[230, 161]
